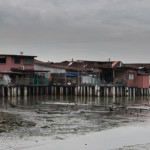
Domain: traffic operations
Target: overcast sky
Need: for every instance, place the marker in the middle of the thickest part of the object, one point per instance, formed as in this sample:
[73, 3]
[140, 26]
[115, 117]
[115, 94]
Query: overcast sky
[56, 30]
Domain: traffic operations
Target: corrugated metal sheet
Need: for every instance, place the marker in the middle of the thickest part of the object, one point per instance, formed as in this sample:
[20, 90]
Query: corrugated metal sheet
[89, 80]
[114, 63]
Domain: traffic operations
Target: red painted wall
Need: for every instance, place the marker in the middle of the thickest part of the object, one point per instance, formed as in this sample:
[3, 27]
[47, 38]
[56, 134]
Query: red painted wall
[10, 64]
[131, 83]
[7, 66]
[140, 81]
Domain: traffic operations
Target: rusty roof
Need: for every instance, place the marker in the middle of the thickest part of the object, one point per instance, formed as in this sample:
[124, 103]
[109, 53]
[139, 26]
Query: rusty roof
[47, 64]
[79, 65]
[139, 65]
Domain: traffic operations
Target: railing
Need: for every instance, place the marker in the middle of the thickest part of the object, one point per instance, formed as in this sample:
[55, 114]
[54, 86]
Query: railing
[22, 81]
[44, 82]
[117, 81]
[39, 82]
[30, 81]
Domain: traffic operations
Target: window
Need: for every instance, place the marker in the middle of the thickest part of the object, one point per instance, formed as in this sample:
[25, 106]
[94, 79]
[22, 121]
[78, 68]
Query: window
[28, 61]
[2, 60]
[17, 60]
[131, 76]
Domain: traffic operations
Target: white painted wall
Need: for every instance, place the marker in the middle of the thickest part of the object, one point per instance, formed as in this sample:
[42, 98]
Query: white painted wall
[50, 69]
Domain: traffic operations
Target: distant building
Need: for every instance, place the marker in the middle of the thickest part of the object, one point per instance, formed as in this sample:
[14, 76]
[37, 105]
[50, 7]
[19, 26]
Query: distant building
[26, 70]
[19, 70]
[138, 75]
[54, 73]
[10, 63]
[13, 68]
[104, 73]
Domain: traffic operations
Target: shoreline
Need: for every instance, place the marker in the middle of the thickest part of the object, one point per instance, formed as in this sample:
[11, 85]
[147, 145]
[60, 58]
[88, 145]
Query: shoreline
[110, 139]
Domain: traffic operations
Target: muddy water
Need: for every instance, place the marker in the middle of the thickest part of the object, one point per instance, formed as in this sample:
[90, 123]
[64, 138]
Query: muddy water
[59, 117]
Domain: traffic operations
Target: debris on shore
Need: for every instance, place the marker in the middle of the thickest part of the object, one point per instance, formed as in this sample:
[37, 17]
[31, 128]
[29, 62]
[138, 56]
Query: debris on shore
[9, 122]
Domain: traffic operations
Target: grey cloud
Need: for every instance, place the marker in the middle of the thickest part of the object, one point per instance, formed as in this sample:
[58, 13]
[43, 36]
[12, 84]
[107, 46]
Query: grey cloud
[91, 28]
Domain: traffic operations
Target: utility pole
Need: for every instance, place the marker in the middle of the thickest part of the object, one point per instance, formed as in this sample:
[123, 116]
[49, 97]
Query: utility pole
[78, 73]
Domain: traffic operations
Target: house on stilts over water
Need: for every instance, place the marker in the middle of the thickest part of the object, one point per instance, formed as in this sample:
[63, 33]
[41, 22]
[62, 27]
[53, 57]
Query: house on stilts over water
[25, 75]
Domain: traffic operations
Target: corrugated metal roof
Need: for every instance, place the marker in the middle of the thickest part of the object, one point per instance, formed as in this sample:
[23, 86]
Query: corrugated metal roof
[139, 65]
[114, 63]
[80, 65]
[17, 55]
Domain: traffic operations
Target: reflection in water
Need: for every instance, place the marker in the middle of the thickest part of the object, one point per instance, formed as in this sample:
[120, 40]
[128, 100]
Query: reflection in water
[73, 115]
[33, 100]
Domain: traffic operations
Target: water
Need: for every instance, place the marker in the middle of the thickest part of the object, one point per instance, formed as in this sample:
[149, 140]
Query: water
[60, 117]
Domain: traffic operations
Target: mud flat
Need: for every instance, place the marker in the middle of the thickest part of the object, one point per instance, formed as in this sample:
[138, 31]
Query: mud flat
[9, 122]
[56, 124]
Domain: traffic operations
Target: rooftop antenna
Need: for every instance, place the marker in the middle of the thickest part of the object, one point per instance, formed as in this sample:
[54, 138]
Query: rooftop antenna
[21, 52]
